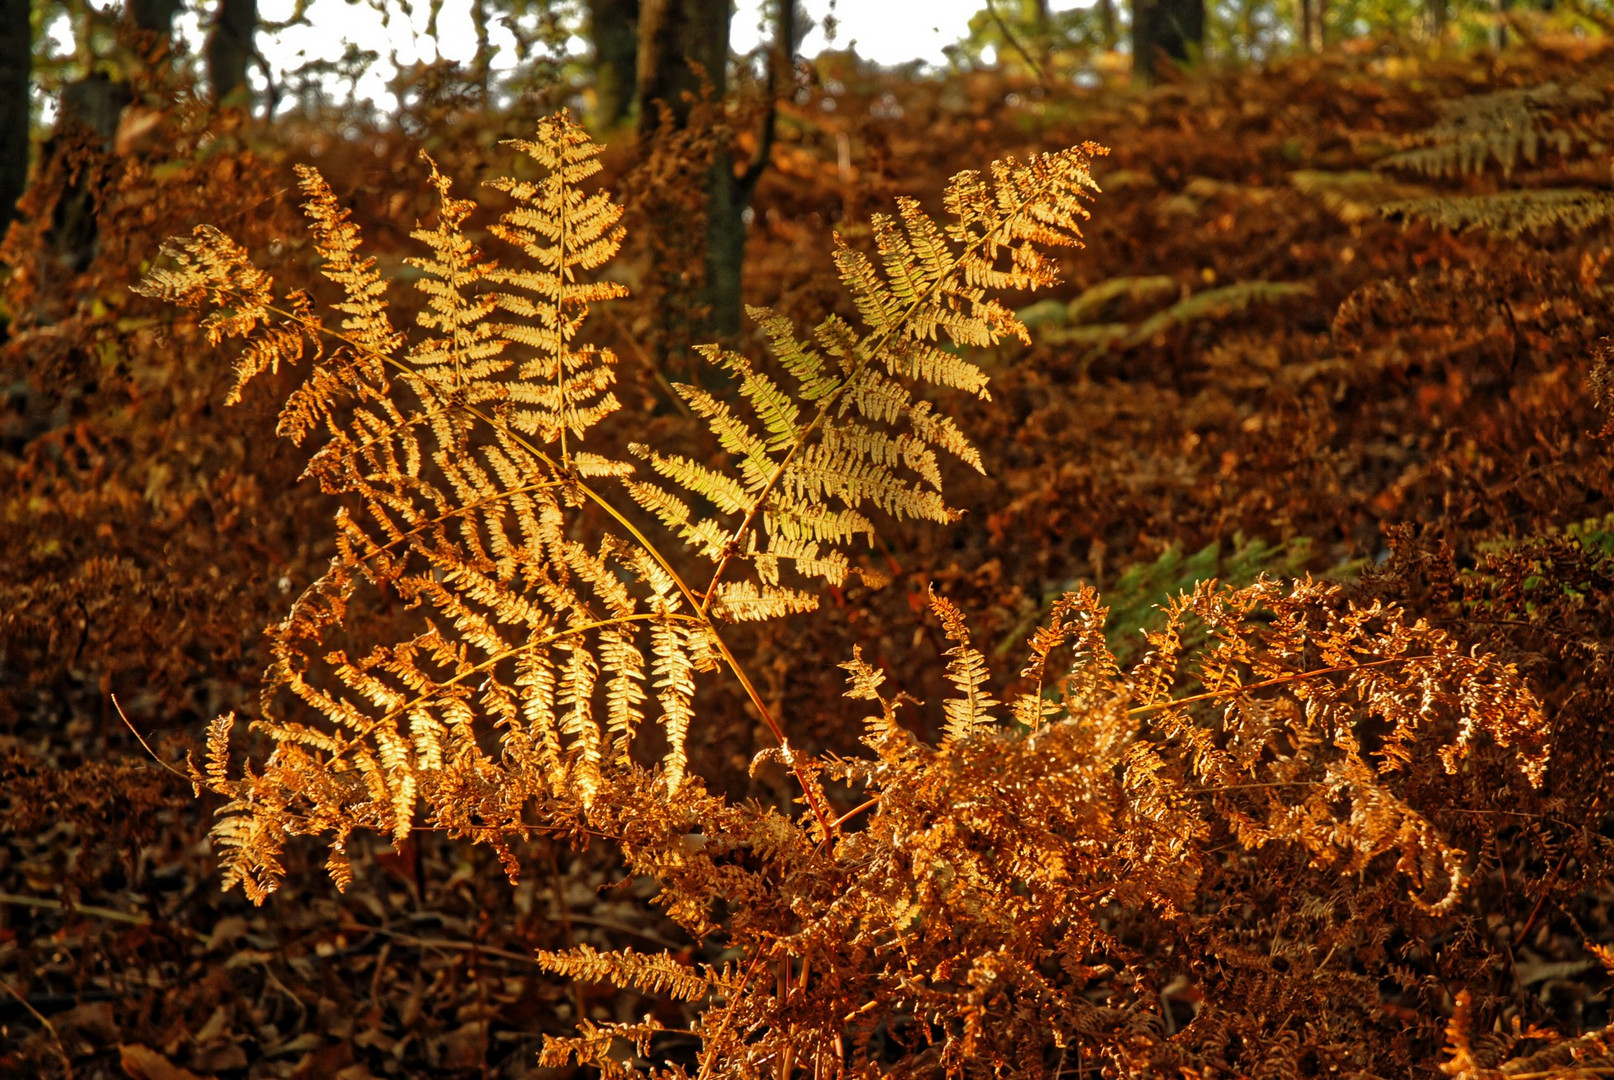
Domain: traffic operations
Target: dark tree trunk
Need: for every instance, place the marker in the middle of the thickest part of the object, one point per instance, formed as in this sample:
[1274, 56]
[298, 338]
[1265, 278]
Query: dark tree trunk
[1106, 22]
[229, 47]
[1169, 29]
[683, 54]
[16, 52]
[1309, 16]
[683, 49]
[614, 28]
[153, 16]
[90, 110]
[731, 193]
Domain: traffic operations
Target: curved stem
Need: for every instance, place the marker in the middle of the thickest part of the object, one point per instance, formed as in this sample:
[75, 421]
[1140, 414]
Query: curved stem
[1281, 680]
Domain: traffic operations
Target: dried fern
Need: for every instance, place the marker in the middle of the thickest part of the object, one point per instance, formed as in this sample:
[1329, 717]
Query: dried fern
[466, 490]
[1506, 127]
[1511, 213]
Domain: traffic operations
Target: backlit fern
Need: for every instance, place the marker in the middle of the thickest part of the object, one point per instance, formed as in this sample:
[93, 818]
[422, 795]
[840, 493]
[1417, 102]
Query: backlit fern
[979, 911]
[460, 458]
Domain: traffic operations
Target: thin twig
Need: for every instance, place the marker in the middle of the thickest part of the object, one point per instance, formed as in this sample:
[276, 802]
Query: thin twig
[145, 744]
[1014, 42]
[89, 910]
[1546, 891]
[61, 1049]
[439, 943]
[649, 362]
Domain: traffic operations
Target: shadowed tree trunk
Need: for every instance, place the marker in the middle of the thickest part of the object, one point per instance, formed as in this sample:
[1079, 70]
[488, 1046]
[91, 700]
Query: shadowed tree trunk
[16, 52]
[1170, 29]
[1106, 22]
[614, 28]
[683, 53]
[230, 48]
[89, 113]
[153, 16]
[1435, 14]
[90, 110]
[681, 43]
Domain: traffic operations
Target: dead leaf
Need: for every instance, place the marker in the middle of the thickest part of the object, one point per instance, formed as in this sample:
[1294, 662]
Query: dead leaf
[144, 1063]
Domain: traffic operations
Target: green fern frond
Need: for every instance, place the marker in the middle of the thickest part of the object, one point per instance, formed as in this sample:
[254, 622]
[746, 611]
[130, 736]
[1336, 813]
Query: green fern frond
[1506, 127]
[1354, 196]
[1216, 303]
[1511, 213]
[1094, 302]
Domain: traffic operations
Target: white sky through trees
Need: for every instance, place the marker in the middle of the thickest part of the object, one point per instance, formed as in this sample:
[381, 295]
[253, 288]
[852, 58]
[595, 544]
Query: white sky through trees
[885, 31]
[888, 32]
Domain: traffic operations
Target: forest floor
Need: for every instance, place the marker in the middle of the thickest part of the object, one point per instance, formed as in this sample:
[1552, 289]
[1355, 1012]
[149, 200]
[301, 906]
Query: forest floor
[1285, 349]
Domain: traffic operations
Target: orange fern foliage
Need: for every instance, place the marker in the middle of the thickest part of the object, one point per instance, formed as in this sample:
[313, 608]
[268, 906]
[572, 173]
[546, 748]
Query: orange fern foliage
[461, 455]
[1022, 898]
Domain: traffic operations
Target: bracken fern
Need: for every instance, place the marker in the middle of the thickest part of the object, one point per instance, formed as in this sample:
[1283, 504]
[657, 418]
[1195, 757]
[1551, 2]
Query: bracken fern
[1016, 900]
[460, 458]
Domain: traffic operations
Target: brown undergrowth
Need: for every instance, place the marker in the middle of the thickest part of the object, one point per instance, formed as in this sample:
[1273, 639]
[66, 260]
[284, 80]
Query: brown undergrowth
[1309, 827]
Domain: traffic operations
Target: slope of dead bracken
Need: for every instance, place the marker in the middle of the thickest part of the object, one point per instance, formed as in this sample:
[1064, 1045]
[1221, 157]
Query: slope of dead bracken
[1307, 334]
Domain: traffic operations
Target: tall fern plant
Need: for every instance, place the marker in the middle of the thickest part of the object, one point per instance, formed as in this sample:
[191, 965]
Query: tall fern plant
[466, 489]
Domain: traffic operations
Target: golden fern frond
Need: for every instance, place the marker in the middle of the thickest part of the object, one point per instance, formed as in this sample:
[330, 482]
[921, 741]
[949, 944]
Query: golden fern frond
[212, 270]
[966, 670]
[561, 390]
[523, 616]
[337, 239]
[468, 354]
[628, 969]
[863, 682]
[598, 1047]
[1076, 618]
[851, 435]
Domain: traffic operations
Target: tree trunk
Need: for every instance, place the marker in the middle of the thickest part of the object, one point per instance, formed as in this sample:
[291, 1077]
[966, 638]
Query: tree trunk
[614, 28]
[153, 16]
[683, 55]
[90, 110]
[1435, 14]
[1171, 29]
[683, 48]
[1309, 16]
[230, 48]
[1106, 23]
[16, 53]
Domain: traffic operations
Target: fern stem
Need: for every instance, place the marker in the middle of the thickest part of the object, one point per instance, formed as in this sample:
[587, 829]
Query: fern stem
[1281, 680]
